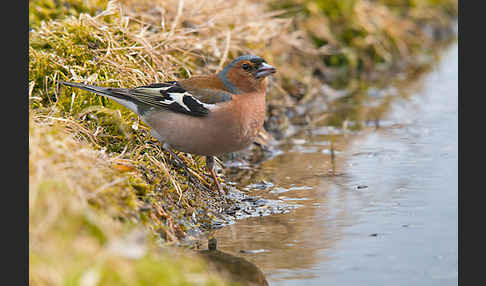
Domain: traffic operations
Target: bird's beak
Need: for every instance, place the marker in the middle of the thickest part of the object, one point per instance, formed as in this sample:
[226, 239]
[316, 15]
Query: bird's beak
[265, 70]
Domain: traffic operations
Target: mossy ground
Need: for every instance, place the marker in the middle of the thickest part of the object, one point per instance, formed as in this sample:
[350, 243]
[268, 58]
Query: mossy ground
[94, 170]
[84, 220]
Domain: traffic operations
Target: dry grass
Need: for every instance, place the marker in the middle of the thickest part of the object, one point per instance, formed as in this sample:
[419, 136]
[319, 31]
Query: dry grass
[93, 164]
[70, 242]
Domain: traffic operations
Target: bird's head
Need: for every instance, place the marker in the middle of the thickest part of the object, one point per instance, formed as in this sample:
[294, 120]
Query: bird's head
[246, 74]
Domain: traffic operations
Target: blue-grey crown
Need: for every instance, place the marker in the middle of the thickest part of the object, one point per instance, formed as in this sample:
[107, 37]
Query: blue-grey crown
[222, 74]
[252, 58]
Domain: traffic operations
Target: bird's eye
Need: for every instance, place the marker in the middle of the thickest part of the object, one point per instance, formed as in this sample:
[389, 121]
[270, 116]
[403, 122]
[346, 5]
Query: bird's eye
[245, 66]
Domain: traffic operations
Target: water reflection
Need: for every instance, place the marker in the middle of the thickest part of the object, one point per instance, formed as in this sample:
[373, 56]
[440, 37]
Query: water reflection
[376, 214]
[289, 241]
[235, 268]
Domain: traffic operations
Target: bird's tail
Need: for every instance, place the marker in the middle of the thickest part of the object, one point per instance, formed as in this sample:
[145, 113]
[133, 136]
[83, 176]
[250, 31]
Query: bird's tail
[96, 89]
[120, 95]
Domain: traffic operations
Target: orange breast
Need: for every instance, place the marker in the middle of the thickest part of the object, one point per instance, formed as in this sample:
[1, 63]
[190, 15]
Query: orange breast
[231, 126]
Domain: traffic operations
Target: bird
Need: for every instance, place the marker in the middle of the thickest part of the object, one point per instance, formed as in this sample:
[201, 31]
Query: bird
[206, 115]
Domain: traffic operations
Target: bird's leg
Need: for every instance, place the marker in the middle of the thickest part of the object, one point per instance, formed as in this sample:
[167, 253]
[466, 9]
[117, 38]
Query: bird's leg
[179, 161]
[210, 166]
[182, 164]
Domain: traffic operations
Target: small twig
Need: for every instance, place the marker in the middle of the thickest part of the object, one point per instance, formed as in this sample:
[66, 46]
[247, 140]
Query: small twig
[31, 88]
[226, 51]
[105, 186]
[73, 95]
[176, 19]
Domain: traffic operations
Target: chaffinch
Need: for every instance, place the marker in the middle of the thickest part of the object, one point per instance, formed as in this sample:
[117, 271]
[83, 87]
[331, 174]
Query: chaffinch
[205, 115]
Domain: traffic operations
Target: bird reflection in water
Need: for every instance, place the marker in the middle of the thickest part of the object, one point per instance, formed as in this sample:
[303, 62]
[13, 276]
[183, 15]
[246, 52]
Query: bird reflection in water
[237, 269]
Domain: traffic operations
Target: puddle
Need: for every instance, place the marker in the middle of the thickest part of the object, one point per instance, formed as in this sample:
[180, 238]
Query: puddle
[384, 213]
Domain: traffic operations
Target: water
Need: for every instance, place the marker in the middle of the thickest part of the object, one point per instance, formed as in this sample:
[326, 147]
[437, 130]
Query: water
[388, 216]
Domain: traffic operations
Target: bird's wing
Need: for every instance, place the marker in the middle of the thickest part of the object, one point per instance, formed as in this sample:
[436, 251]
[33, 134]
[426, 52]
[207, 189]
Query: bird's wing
[208, 89]
[209, 95]
[182, 97]
[171, 96]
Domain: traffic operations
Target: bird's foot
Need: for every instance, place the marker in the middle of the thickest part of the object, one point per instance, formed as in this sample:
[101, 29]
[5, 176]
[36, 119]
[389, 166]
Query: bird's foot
[220, 189]
[210, 166]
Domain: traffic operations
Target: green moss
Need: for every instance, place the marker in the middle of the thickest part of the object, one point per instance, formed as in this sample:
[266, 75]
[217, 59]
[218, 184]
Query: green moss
[318, 42]
[141, 187]
[58, 51]
[336, 10]
[45, 10]
[350, 34]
